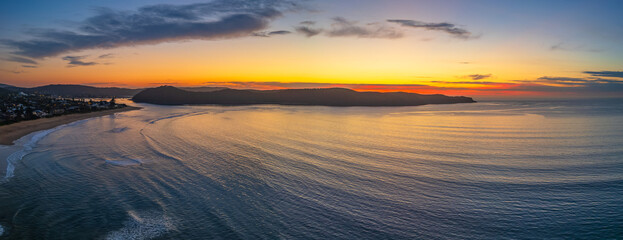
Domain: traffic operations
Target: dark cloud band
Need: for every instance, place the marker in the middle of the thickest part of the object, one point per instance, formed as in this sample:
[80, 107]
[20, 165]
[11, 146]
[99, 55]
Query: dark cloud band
[20, 60]
[448, 28]
[155, 24]
[614, 74]
[75, 61]
[478, 76]
[271, 33]
[308, 31]
[341, 27]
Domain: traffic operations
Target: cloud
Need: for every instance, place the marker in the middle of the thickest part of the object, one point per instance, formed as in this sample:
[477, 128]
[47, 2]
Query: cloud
[478, 76]
[20, 60]
[561, 46]
[154, 24]
[281, 32]
[108, 55]
[568, 84]
[614, 74]
[29, 66]
[448, 28]
[448, 82]
[272, 33]
[308, 31]
[342, 27]
[13, 71]
[75, 61]
[557, 46]
[547, 79]
[575, 81]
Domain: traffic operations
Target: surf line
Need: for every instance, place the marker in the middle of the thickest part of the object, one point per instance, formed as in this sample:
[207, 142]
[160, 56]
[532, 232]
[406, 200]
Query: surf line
[27, 147]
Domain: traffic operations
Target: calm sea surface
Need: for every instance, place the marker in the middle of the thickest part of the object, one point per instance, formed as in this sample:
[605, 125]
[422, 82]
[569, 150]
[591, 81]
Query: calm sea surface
[489, 170]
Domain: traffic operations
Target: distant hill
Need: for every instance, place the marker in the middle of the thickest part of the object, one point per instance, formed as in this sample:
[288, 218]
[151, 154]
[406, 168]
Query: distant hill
[2, 85]
[94, 92]
[5, 91]
[167, 95]
[76, 91]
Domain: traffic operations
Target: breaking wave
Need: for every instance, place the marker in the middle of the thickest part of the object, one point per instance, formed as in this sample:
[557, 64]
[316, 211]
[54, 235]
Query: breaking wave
[142, 225]
[28, 146]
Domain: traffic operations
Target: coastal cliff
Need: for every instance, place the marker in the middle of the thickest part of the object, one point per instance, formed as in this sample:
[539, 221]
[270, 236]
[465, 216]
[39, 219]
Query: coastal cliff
[168, 95]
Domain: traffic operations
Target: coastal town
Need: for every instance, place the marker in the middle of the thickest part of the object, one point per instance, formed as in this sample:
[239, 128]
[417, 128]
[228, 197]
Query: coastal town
[20, 106]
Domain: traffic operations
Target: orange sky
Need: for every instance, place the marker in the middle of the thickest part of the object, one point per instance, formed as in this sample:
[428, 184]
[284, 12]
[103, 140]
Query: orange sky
[448, 53]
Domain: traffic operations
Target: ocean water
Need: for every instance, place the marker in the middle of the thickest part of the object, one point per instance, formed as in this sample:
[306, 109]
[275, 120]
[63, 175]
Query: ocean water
[488, 170]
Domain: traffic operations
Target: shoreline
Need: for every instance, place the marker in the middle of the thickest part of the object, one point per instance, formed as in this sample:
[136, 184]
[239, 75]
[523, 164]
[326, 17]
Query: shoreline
[10, 133]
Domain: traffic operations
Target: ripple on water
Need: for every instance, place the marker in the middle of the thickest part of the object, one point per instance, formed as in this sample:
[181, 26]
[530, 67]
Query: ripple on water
[125, 162]
[119, 130]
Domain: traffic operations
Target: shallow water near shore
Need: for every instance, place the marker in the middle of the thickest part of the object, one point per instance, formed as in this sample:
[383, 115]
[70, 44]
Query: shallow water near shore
[494, 170]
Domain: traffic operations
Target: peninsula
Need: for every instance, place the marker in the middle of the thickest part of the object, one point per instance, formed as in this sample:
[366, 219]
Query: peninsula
[168, 95]
[23, 113]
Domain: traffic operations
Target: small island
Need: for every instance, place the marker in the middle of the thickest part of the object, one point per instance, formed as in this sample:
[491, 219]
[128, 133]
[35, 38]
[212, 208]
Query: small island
[339, 97]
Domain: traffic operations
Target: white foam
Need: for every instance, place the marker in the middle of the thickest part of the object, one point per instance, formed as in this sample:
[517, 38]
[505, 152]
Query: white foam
[27, 143]
[1, 230]
[144, 225]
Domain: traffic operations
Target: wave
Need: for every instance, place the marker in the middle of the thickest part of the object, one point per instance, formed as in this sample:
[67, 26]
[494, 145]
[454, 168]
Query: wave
[168, 117]
[28, 146]
[142, 225]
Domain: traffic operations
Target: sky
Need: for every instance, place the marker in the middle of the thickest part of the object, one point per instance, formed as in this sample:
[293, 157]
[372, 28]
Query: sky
[471, 48]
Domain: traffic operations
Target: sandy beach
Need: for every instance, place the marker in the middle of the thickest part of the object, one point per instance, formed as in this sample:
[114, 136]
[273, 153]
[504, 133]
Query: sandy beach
[12, 132]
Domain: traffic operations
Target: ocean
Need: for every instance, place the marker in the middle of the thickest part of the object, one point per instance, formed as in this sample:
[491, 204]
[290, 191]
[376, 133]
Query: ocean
[487, 170]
